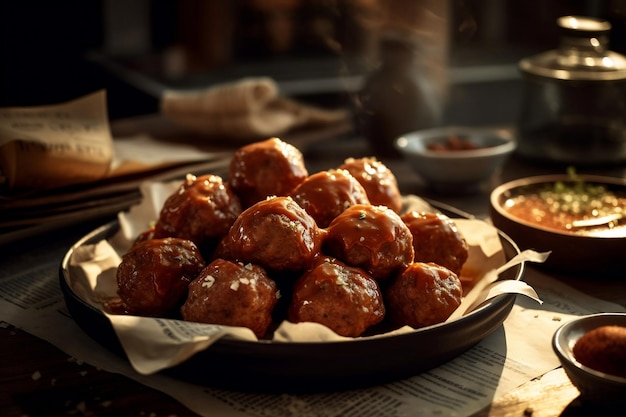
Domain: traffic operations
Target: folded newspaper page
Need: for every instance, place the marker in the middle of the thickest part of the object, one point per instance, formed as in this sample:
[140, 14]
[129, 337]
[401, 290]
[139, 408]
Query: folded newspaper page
[71, 143]
[51, 146]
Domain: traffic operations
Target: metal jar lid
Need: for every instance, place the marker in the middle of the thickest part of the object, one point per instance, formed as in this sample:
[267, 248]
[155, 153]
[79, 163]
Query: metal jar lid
[583, 53]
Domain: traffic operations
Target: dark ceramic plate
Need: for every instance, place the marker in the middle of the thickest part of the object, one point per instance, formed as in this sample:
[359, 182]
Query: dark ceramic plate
[572, 253]
[267, 366]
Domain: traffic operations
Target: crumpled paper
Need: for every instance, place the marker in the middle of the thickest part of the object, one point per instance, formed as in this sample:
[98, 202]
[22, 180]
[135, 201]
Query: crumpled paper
[154, 344]
[247, 109]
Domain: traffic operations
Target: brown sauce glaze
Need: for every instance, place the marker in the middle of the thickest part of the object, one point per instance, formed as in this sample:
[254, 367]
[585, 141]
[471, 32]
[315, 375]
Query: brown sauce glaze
[379, 181]
[326, 194]
[422, 295]
[344, 299]
[277, 234]
[202, 209]
[267, 168]
[371, 237]
[437, 239]
[153, 276]
[232, 294]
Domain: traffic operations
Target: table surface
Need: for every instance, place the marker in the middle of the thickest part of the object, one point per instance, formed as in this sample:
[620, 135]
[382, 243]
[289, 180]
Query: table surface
[37, 379]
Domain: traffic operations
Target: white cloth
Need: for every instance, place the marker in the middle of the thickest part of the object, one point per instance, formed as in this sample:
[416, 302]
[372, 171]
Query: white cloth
[250, 108]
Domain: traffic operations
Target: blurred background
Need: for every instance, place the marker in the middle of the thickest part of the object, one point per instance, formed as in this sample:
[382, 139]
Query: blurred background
[317, 51]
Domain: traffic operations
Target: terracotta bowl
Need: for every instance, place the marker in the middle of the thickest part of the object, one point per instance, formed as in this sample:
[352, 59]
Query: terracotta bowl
[600, 256]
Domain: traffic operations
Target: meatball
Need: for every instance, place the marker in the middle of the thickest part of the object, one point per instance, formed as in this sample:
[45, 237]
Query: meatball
[422, 295]
[201, 210]
[379, 181]
[370, 237]
[275, 233]
[144, 235]
[232, 294]
[603, 349]
[325, 194]
[437, 239]
[343, 298]
[267, 168]
[153, 276]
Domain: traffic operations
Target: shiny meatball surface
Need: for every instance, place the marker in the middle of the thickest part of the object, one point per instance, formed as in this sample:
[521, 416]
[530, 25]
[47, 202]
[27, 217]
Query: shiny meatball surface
[144, 235]
[344, 299]
[370, 237]
[153, 276]
[437, 239]
[268, 168]
[379, 181]
[232, 294]
[324, 195]
[275, 233]
[201, 210]
[422, 295]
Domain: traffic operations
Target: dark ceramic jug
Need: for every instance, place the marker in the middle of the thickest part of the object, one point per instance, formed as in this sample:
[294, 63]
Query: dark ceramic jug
[395, 98]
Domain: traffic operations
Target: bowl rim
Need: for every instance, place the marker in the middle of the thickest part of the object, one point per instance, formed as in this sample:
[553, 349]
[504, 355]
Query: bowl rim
[565, 353]
[497, 192]
[507, 146]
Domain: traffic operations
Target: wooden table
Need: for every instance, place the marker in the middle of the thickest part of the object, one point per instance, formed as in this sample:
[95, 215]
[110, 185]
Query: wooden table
[37, 379]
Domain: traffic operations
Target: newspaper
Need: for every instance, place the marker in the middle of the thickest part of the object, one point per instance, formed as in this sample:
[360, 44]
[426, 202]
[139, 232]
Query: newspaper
[34, 141]
[31, 299]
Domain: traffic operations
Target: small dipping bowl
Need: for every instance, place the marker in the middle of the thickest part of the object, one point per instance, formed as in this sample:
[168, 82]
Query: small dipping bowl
[456, 158]
[594, 386]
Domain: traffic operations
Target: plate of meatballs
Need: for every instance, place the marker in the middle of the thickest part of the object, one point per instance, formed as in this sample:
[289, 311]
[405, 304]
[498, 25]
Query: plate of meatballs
[270, 243]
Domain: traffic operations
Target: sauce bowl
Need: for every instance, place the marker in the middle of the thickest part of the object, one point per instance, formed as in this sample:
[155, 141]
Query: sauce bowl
[581, 251]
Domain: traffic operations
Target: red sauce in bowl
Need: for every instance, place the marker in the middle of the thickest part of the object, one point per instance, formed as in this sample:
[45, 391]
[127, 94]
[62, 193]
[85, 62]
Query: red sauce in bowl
[453, 143]
[557, 206]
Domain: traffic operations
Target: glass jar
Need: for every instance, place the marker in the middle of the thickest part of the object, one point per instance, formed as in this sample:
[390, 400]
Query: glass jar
[574, 102]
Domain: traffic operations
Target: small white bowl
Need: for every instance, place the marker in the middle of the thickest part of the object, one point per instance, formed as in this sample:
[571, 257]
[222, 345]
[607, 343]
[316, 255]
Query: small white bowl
[594, 386]
[456, 170]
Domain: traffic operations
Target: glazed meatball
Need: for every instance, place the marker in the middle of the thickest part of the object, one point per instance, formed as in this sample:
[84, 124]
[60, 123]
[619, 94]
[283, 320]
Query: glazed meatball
[345, 299]
[153, 276]
[370, 237]
[267, 168]
[422, 295]
[144, 235]
[437, 239]
[324, 195]
[379, 182]
[275, 233]
[201, 210]
[232, 294]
